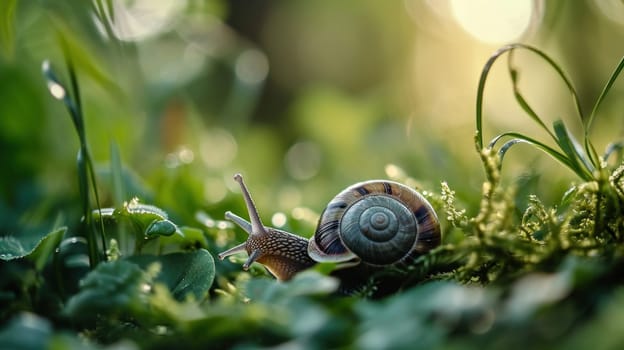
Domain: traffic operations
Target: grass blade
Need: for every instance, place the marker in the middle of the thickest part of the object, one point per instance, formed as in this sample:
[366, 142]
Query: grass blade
[520, 98]
[612, 148]
[573, 151]
[588, 146]
[520, 138]
[486, 70]
[7, 26]
[605, 91]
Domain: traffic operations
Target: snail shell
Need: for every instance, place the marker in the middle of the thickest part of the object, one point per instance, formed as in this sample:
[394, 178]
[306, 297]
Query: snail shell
[377, 222]
[373, 223]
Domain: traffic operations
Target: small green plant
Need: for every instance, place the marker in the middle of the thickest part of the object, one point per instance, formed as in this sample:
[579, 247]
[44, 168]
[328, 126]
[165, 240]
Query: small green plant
[87, 276]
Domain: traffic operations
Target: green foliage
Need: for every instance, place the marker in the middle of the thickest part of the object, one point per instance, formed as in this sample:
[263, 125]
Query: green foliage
[514, 270]
[184, 274]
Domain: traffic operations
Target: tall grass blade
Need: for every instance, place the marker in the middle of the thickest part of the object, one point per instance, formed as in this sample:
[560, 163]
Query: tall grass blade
[86, 173]
[116, 170]
[513, 73]
[573, 151]
[614, 147]
[7, 24]
[605, 91]
[588, 146]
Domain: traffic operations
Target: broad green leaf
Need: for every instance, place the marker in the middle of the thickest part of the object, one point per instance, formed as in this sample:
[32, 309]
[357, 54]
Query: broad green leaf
[46, 246]
[186, 238]
[303, 284]
[183, 273]
[112, 288]
[26, 331]
[11, 248]
[419, 318]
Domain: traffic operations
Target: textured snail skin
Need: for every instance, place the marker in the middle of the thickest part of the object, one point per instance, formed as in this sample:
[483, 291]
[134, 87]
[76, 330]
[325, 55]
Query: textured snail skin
[281, 252]
[373, 205]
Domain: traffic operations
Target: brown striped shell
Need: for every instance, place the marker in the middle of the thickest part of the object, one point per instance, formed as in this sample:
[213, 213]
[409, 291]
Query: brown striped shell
[377, 222]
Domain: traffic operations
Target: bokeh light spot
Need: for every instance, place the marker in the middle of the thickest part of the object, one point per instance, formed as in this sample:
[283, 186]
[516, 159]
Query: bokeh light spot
[493, 21]
[140, 19]
[303, 160]
[214, 189]
[251, 67]
[278, 219]
[218, 148]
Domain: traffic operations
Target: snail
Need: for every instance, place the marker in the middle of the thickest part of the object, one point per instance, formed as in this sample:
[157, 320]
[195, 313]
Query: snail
[371, 224]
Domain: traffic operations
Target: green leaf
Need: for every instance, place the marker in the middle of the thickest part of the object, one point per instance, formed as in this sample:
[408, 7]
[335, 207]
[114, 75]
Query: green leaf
[46, 246]
[26, 331]
[303, 284]
[112, 288]
[422, 316]
[7, 23]
[160, 228]
[11, 248]
[183, 273]
[186, 238]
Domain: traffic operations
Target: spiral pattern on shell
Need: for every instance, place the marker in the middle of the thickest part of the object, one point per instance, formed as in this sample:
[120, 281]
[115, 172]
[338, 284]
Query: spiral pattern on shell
[378, 222]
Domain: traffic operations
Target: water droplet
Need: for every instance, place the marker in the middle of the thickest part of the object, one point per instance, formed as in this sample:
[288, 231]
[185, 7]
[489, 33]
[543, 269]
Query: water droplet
[56, 89]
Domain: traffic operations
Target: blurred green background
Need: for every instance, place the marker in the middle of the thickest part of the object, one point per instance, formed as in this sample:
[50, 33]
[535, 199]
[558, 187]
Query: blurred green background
[303, 97]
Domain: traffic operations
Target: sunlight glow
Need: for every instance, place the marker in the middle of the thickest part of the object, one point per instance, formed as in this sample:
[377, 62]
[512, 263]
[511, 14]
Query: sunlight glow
[139, 19]
[493, 21]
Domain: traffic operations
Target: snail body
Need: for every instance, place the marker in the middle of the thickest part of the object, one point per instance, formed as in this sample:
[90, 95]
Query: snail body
[368, 225]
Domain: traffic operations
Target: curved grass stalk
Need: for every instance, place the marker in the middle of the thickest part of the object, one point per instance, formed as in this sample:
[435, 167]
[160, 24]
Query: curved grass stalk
[616, 73]
[521, 138]
[605, 90]
[485, 73]
[583, 160]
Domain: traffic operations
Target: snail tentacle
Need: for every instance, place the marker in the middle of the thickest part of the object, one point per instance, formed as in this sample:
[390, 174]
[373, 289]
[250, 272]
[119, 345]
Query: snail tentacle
[242, 223]
[234, 250]
[257, 228]
[255, 255]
